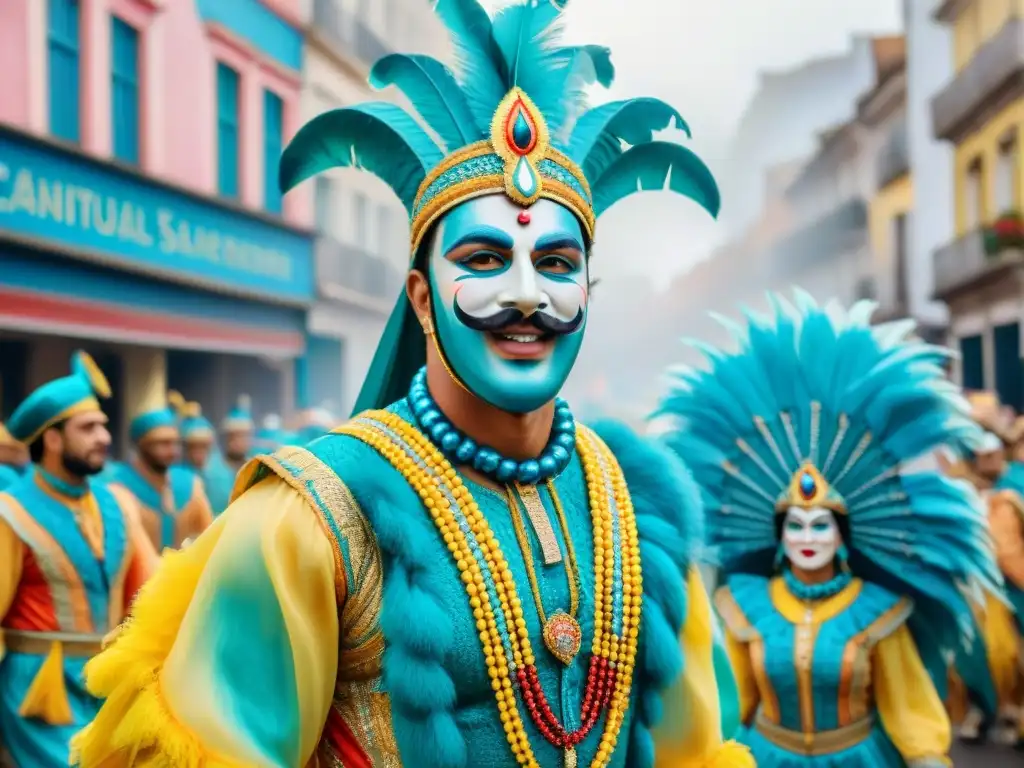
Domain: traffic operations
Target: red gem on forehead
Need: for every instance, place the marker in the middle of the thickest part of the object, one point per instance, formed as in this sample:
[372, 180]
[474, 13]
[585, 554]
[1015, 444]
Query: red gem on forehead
[524, 218]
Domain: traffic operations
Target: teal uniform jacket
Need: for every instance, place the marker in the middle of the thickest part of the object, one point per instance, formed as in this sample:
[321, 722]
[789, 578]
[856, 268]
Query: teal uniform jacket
[9, 475]
[219, 481]
[62, 594]
[166, 515]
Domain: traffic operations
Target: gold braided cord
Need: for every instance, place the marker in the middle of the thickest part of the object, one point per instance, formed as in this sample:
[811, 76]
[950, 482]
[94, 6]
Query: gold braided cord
[571, 574]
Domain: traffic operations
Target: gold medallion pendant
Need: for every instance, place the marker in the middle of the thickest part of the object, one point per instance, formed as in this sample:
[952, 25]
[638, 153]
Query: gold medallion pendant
[563, 636]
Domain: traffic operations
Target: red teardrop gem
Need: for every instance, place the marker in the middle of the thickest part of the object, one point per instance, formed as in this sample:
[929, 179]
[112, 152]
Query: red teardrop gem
[520, 129]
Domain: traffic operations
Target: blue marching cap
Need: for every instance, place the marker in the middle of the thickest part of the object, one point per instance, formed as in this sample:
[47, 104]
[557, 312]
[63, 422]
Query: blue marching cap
[149, 424]
[239, 418]
[193, 425]
[60, 399]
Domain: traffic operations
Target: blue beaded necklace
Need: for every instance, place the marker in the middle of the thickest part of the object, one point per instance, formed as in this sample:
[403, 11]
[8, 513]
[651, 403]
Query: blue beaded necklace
[811, 592]
[460, 449]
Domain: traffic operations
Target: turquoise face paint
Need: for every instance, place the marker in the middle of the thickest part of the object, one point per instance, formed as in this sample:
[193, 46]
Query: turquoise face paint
[509, 295]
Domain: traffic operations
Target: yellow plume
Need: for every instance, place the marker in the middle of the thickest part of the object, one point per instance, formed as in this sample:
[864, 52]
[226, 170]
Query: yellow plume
[176, 401]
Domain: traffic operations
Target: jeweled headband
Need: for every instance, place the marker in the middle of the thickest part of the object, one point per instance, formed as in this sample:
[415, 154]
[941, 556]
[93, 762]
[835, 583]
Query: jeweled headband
[518, 159]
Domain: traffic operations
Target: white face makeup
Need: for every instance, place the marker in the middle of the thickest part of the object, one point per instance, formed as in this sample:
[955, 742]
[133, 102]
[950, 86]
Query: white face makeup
[509, 292]
[508, 275]
[810, 538]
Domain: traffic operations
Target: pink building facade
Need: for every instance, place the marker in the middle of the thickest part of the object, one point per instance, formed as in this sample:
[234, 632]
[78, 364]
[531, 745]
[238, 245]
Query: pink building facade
[139, 210]
[178, 89]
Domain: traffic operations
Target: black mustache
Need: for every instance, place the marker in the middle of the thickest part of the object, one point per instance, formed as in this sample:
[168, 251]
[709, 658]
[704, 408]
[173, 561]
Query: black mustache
[512, 316]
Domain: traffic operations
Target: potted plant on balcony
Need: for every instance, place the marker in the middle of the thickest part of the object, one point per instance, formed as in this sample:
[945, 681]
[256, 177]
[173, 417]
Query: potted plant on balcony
[1006, 232]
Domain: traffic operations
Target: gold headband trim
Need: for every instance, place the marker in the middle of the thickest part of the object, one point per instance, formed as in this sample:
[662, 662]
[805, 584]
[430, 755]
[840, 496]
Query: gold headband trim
[808, 489]
[86, 405]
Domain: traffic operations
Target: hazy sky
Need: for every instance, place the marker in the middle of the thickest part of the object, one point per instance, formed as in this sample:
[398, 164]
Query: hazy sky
[703, 56]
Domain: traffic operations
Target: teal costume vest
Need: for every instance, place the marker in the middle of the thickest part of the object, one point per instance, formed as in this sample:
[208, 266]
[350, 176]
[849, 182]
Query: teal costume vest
[87, 598]
[442, 705]
[181, 481]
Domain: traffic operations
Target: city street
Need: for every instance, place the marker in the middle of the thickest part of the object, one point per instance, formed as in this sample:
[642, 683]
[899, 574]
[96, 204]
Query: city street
[988, 756]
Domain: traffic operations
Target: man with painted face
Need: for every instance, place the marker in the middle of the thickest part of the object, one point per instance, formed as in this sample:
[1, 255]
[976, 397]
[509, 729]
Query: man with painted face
[844, 548]
[72, 556]
[461, 575]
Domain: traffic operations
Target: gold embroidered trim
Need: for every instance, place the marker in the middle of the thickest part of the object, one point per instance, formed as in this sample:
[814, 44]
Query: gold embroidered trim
[541, 523]
[821, 743]
[855, 676]
[744, 632]
[324, 491]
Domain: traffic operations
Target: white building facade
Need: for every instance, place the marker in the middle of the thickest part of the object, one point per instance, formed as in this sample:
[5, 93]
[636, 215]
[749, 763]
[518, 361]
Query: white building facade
[362, 228]
[929, 68]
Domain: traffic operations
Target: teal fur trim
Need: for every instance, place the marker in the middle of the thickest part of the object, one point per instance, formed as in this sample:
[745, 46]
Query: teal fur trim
[414, 612]
[668, 511]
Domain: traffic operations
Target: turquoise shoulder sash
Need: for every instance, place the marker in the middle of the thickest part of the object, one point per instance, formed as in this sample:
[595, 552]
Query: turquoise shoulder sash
[81, 586]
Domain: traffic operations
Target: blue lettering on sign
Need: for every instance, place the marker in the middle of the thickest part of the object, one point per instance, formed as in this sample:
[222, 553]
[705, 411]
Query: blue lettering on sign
[52, 195]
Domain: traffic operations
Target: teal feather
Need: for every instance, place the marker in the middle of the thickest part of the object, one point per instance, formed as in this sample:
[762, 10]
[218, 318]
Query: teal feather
[381, 138]
[481, 68]
[434, 93]
[595, 142]
[527, 36]
[649, 167]
[602, 71]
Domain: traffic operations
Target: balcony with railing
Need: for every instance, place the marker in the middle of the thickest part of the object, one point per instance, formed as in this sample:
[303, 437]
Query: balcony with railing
[964, 263]
[894, 157]
[347, 34]
[348, 273]
[993, 75]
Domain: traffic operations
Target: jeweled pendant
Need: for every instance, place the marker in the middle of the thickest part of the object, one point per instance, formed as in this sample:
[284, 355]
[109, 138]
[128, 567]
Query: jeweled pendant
[563, 637]
[570, 757]
[523, 177]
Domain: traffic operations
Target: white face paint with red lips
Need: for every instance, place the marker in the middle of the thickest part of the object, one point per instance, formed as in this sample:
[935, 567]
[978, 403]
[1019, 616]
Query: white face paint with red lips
[810, 538]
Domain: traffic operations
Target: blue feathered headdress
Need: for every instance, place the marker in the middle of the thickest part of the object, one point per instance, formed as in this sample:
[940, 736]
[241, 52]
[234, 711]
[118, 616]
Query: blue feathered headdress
[867, 406]
[513, 121]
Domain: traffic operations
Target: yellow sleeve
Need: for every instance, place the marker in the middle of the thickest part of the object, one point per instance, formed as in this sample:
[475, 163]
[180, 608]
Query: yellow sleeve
[690, 733]
[230, 656]
[910, 708]
[12, 556]
[743, 671]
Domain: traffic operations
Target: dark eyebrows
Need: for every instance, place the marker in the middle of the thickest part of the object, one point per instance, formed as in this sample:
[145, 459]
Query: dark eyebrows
[557, 242]
[490, 237]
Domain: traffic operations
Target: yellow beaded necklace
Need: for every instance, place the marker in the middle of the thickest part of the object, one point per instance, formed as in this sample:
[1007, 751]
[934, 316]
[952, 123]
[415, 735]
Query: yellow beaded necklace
[438, 485]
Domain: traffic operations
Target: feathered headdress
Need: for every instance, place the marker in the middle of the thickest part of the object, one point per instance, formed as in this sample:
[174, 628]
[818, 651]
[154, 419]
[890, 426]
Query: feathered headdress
[513, 121]
[865, 407]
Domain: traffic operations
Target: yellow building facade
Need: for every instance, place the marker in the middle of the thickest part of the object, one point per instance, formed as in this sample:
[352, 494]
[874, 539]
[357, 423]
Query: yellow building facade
[980, 151]
[980, 111]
